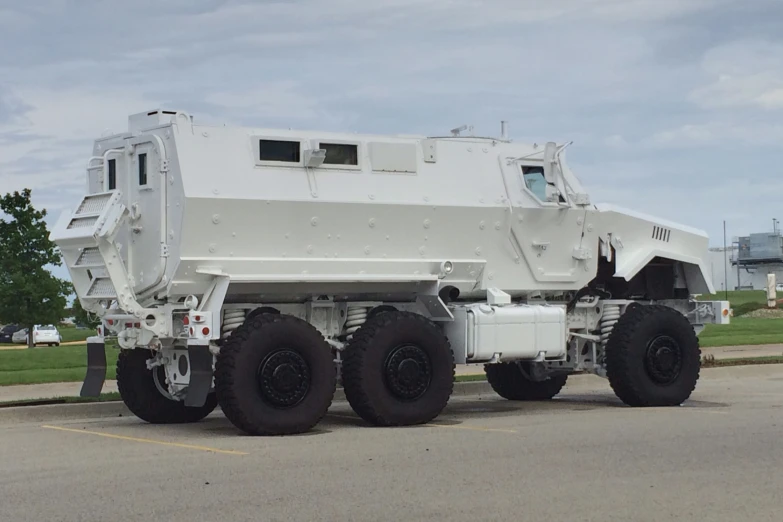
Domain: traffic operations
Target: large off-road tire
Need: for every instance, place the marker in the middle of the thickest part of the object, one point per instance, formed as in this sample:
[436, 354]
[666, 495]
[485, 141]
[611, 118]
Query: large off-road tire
[275, 375]
[398, 370]
[140, 394]
[653, 357]
[509, 382]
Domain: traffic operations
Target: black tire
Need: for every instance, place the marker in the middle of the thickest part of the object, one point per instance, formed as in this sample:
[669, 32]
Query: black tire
[509, 382]
[373, 358]
[272, 344]
[653, 357]
[137, 388]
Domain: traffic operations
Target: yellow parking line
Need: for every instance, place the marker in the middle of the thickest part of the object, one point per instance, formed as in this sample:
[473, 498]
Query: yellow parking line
[148, 441]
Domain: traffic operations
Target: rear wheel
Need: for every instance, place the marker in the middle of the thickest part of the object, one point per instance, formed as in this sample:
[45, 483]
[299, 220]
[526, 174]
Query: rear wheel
[275, 375]
[398, 370]
[509, 382]
[653, 357]
[142, 396]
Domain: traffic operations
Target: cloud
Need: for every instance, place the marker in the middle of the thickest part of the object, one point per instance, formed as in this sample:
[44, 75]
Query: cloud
[743, 74]
[664, 99]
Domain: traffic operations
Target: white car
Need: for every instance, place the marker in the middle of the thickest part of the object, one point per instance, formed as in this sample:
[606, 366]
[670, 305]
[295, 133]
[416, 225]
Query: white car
[42, 334]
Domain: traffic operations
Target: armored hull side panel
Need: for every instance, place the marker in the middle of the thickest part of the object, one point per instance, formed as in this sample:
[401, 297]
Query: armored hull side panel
[262, 223]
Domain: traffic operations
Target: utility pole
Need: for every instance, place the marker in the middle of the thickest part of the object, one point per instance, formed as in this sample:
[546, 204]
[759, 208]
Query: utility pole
[725, 263]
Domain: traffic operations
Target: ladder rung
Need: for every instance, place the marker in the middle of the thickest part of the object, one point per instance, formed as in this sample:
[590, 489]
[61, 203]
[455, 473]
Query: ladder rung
[102, 287]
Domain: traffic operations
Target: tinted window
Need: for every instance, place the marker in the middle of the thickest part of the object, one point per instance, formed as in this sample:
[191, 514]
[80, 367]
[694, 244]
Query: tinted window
[276, 150]
[535, 181]
[142, 169]
[340, 154]
[112, 174]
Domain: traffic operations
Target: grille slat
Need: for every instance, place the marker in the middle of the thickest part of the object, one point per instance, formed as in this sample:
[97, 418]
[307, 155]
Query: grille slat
[661, 234]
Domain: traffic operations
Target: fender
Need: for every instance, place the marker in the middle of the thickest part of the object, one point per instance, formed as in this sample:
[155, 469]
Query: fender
[638, 238]
[696, 275]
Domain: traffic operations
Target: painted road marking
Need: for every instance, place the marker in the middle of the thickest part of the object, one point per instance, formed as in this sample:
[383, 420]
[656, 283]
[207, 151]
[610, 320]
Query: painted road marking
[148, 441]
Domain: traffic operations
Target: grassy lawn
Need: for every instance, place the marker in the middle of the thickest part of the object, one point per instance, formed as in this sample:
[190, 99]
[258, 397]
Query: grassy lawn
[55, 364]
[75, 334]
[743, 330]
[741, 301]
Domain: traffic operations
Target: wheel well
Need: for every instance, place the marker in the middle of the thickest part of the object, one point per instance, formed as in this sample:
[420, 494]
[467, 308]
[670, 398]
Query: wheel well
[661, 278]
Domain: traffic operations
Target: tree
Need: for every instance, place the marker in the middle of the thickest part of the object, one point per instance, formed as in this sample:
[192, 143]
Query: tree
[29, 293]
[83, 317]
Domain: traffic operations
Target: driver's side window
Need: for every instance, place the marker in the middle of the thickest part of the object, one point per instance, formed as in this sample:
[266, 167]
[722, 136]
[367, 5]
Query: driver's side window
[535, 181]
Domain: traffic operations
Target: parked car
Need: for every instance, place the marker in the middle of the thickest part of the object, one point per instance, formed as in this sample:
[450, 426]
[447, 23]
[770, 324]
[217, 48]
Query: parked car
[7, 332]
[42, 334]
[19, 336]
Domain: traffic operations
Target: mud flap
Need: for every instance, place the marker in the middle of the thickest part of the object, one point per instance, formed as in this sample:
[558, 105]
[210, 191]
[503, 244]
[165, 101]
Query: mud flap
[96, 368]
[200, 375]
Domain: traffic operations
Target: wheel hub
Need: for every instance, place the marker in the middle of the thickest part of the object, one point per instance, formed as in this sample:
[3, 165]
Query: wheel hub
[283, 378]
[408, 372]
[663, 360]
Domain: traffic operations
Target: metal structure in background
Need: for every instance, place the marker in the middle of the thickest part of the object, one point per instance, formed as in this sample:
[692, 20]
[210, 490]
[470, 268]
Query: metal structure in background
[760, 252]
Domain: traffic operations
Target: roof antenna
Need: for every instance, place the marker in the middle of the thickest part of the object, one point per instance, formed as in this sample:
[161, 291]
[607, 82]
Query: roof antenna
[504, 130]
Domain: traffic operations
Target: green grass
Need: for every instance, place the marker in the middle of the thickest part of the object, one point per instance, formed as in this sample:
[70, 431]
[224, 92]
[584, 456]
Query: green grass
[743, 330]
[741, 301]
[75, 334]
[55, 364]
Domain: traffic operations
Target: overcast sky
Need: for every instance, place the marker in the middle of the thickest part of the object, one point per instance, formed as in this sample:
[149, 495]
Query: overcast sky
[675, 107]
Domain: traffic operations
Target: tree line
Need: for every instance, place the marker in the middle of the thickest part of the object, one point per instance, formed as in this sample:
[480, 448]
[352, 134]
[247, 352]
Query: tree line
[29, 293]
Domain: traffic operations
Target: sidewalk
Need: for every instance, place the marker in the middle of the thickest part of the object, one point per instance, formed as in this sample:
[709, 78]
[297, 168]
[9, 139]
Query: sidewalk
[71, 389]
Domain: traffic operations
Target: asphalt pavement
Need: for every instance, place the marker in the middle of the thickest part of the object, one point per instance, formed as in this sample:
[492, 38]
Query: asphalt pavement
[581, 457]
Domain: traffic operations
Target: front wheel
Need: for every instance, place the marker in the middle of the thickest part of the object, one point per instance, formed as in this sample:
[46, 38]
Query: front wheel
[653, 357]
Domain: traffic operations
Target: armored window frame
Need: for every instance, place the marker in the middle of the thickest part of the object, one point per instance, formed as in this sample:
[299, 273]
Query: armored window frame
[256, 141]
[142, 169]
[320, 144]
[111, 181]
[531, 170]
[285, 149]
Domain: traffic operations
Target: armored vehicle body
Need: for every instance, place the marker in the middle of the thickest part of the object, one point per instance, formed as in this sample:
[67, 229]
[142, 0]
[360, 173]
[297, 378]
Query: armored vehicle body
[258, 269]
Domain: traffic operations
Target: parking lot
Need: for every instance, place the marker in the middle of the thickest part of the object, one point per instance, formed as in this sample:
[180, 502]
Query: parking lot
[583, 456]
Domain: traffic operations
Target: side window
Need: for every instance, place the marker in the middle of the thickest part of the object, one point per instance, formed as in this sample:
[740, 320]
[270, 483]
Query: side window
[535, 181]
[340, 154]
[142, 169]
[112, 174]
[278, 150]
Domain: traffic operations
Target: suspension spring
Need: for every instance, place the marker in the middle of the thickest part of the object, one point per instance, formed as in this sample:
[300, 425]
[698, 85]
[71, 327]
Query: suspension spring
[232, 318]
[609, 318]
[357, 315]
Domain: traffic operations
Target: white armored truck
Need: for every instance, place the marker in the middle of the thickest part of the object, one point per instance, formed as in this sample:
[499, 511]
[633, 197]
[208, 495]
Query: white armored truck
[259, 268]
